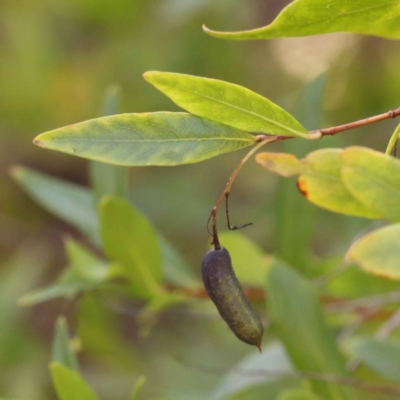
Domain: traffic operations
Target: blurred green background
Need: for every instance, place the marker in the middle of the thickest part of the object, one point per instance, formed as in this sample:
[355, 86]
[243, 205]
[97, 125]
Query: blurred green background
[56, 60]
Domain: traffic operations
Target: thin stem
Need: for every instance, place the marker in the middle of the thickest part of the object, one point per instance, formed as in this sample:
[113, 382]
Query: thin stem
[393, 140]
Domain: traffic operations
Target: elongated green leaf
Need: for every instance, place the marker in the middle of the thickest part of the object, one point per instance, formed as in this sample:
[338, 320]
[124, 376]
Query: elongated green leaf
[313, 17]
[161, 138]
[62, 351]
[298, 318]
[80, 212]
[373, 178]
[297, 395]
[250, 263]
[67, 201]
[227, 103]
[382, 356]
[378, 252]
[109, 179]
[138, 387]
[69, 385]
[273, 359]
[320, 180]
[129, 239]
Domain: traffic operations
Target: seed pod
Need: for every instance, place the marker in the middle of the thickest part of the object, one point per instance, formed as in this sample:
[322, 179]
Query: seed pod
[226, 293]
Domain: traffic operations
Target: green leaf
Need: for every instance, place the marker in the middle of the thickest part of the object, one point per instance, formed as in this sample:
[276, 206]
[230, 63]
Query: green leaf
[227, 103]
[320, 180]
[161, 138]
[273, 359]
[372, 178]
[67, 201]
[313, 17]
[109, 179]
[62, 351]
[89, 267]
[250, 263]
[138, 387]
[378, 252]
[129, 239]
[382, 356]
[297, 315]
[297, 395]
[69, 385]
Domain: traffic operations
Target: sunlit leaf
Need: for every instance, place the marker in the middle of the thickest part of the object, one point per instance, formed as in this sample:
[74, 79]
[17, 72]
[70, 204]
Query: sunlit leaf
[320, 180]
[285, 165]
[138, 387]
[373, 178]
[227, 103]
[382, 356]
[109, 179]
[129, 239]
[313, 17]
[273, 359]
[161, 138]
[62, 351]
[378, 252]
[67, 201]
[298, 319]
[69, 385]
[250, 263]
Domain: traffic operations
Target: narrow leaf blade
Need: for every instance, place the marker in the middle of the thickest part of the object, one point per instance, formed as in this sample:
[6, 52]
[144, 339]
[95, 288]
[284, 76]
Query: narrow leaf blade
[311, 17]
[227, 103]
[161, 138]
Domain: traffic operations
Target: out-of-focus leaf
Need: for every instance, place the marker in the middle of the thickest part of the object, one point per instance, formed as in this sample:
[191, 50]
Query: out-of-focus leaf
[382, 356]
[138, 387]
[311, 17]
[285, 165]
[69, 385]
[297, 395]
[249, 371]
[250, 263]
[62, 351]
[227, 103]
[378, 252]
[129, 239]
[161, 138]
[109, 179]
[85, 264]
[298, 318]
[67, 201]
[321, 183]
[373, 178]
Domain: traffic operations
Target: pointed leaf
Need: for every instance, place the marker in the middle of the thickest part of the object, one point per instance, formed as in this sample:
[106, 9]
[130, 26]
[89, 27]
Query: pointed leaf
[67, 201]
[129, 239]
[138, 387]
[285, 165]
[373, 178]
[62, 351]
[298, 318]
[227, 103]
[382, 356]
[69, 385]
[313, 17]
[378, 252]
[161, 138]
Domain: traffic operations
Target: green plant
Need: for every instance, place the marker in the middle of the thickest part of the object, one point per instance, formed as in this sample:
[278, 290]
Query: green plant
[223, 117]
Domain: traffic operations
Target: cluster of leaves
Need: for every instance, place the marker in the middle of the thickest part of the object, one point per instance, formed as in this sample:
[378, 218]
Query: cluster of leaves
[224, 117]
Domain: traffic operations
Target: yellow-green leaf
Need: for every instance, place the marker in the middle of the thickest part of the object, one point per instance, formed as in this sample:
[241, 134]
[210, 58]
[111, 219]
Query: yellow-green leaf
[283, 164]
[227, 103]
[315, 17]
[161, 138]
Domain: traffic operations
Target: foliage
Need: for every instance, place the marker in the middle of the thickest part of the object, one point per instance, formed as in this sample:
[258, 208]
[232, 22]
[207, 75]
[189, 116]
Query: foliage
[122, 261]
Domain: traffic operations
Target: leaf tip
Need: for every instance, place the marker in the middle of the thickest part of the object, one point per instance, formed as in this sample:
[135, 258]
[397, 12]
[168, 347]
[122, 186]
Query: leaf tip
[38, 142]
[16, 172]
[302, 186]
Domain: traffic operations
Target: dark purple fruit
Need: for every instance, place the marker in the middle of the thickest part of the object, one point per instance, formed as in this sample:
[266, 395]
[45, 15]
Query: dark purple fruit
[226, 293]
